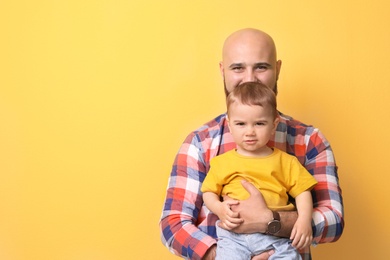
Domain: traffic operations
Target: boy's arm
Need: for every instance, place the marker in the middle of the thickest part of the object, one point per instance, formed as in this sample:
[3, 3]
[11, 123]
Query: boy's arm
[212, 202]
[302, 234]
[229, 219]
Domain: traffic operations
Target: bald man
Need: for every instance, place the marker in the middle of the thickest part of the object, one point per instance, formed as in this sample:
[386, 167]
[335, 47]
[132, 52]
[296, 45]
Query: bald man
[187, 226]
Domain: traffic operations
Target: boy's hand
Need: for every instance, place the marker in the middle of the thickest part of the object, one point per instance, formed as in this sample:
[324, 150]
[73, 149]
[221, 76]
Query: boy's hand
[253, 211]
[229, 219]
[301, 234]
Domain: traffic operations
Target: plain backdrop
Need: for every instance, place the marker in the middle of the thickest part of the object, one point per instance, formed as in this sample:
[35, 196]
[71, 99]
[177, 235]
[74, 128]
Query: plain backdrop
[96, 97]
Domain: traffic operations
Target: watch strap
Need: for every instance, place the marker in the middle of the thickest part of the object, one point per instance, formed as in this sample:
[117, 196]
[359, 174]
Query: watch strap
[276, 215]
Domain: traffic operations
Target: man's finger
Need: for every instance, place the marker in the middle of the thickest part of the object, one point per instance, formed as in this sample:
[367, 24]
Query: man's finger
[250, 188]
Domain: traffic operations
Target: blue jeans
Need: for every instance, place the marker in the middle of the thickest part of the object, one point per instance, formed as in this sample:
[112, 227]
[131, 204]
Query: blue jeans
[233, 246]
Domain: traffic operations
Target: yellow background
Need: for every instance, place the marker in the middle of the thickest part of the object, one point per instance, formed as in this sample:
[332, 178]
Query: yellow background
[96, 97]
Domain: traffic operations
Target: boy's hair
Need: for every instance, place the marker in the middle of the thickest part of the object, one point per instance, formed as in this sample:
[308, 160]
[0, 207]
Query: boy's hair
[254, 94]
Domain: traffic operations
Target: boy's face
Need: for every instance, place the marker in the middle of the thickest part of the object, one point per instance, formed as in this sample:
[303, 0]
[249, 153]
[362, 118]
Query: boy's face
[251, 128]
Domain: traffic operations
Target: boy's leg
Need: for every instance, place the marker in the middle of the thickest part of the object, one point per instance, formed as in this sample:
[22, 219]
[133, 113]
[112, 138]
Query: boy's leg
[282, 246]
[231, 246]
[284, 250]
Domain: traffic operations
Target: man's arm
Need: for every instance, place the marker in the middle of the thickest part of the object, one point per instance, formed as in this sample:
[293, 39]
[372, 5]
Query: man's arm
[182, 208]
[256, 214]
[328, 211]
[328, 219]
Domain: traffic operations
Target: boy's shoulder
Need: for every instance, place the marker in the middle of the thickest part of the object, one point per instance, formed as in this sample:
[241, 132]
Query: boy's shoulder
[284, 155]
[225, 156]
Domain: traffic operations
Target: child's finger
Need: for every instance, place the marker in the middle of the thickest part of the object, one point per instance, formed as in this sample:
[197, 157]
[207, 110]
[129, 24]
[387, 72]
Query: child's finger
[297, 241]
[227, 225]
[307, 241]
[293, 233]
[236, 221]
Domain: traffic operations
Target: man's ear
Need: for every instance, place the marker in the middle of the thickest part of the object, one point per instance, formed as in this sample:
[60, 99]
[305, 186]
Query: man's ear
[221, 70]
[278, 68]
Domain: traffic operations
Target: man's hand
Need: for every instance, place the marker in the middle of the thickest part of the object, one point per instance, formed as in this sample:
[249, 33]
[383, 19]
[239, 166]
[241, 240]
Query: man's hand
[263, 256]
[253, 210]
[211, 253]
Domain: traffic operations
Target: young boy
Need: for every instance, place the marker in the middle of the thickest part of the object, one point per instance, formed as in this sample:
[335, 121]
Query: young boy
[253, 117]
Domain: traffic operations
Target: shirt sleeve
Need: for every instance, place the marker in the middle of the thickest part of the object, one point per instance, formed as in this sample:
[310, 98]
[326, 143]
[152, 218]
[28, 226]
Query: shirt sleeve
[183, 203]
[211, 182]
[328, 219]
[302, 180]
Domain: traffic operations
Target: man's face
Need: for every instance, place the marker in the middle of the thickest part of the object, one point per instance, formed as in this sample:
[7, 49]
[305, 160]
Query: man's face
[250, 59]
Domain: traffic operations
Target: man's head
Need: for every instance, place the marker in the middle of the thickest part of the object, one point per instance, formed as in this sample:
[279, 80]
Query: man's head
[249, 55]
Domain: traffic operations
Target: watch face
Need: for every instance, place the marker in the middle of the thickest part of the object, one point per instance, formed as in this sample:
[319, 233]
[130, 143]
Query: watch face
[274, 227]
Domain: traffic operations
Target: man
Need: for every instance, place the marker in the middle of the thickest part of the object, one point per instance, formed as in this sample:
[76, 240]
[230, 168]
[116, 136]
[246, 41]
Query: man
[188, 228]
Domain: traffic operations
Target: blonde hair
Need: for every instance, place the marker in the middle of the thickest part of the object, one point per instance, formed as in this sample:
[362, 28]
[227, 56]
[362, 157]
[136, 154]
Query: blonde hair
[254, 94]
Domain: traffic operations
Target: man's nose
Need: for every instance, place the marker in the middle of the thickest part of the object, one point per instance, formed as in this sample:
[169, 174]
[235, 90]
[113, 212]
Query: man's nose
[250, 76]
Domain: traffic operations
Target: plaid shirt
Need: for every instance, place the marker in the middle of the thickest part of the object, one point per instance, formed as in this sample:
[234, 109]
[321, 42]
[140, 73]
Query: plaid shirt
[188, 227]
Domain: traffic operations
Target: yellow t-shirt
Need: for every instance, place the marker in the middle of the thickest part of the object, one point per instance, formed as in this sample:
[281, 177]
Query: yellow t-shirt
[276, 176]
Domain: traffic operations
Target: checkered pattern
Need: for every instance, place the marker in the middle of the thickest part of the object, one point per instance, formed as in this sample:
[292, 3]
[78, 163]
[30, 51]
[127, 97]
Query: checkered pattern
[188, 228]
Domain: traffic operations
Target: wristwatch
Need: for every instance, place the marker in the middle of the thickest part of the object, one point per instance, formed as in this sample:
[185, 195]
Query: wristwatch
[274, 225]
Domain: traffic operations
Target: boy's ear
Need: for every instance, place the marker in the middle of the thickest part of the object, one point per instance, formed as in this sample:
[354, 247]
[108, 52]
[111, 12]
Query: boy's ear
[276, 122]
[228, 121]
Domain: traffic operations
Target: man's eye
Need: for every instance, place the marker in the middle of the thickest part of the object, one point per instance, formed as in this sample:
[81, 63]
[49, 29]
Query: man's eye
[261, 67]
[237, 69]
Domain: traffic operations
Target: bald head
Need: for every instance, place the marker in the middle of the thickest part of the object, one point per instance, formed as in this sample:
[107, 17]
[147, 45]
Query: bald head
[249, 37]
[249, 55]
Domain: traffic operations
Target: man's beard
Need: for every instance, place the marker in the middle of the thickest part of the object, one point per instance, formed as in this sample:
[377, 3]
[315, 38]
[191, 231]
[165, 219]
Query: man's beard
[227, 92]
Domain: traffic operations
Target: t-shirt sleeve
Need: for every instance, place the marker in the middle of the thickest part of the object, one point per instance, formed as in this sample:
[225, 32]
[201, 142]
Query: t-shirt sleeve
[301, 179]
[211, 183]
